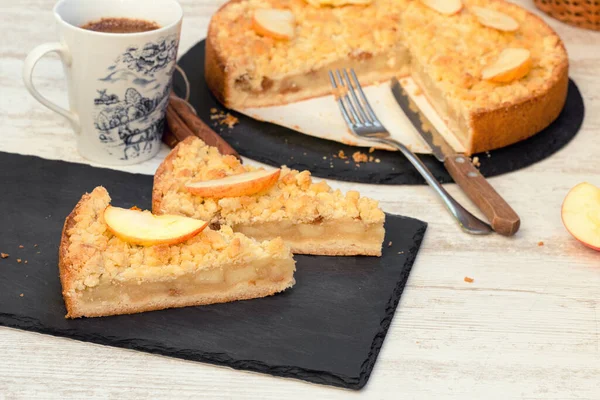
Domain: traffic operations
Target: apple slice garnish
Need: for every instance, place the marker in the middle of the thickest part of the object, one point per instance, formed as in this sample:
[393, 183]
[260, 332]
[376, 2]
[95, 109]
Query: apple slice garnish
[447, 7]
[273, 23]
[495, 19]
[146, 229]
[581, 214]
[244, 184]
[511, 64]
[338, 3]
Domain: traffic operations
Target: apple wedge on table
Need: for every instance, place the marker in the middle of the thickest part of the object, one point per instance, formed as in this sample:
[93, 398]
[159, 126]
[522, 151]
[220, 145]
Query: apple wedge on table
[581, 214]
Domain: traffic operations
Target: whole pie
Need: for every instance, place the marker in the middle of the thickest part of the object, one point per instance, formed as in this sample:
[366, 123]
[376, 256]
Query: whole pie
[102, 274]
[309, 216]
[448, 54]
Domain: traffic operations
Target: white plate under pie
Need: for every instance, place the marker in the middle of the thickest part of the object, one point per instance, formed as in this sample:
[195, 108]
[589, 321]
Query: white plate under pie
[321, 117]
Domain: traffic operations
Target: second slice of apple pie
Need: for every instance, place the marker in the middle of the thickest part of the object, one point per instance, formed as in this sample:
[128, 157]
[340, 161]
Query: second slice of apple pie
[196, 181]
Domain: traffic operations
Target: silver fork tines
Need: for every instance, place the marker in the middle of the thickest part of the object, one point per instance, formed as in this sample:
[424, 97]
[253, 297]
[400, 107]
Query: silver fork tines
[363, 123]
[356, 110]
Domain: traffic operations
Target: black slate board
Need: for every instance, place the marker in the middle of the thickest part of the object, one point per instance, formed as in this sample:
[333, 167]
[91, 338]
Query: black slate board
[327, 329]
[275, 145]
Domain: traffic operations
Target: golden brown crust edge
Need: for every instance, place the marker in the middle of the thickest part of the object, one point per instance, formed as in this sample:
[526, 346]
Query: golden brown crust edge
[526, 118]
[162, 173]
[215, 73]
[65, 265]
[520, 121]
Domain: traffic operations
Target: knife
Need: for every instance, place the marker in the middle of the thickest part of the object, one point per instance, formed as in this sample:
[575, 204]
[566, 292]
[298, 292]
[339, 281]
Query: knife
[502, 217]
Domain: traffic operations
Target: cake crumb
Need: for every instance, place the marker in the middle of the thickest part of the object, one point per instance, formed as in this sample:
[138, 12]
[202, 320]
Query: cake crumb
[476, 162]
[357, 165]
[230, 121]
[400, 252]
[487, 153]
[372, 149]
[377, 160]
[19, 260]
[21, 295]
[469, 280]
[359, 157]
[324, 157]
[342, 155]
[371, 158]
[25, 262]
[35, 245]
[540, 243]
[4, 255]
[21, 246]
[418, 91]
[390, 244]
[222, 118]
[347, 162]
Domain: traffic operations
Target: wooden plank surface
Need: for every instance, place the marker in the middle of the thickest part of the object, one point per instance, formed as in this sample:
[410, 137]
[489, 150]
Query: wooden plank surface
[527, 327]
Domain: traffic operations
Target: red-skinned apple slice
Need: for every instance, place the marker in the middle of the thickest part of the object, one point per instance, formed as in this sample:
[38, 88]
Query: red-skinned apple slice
[144, 228]
[511, 64]
[446, 7]
[277, 24]
[581, 214]
[495, 19]
[244, 184]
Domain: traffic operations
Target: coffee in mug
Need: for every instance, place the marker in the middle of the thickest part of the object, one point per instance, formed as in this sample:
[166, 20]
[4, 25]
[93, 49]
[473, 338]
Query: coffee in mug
[121, 25]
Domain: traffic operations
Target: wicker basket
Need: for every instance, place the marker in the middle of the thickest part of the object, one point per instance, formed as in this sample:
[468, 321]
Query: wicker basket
[581, 13]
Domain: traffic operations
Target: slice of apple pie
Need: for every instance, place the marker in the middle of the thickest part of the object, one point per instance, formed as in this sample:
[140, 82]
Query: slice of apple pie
[123, 261]
[196, 181]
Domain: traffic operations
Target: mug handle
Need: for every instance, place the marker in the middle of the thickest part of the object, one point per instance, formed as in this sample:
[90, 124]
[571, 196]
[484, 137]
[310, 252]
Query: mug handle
[32, 58]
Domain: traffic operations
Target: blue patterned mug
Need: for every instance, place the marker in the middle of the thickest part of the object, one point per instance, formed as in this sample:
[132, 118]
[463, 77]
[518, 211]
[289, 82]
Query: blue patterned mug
[118, 83]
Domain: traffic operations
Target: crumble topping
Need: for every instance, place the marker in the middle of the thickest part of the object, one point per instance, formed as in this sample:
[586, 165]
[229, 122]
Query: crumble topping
[359, 157]
[97, 254]
[323, 35]
[453, 50]
[295, 197]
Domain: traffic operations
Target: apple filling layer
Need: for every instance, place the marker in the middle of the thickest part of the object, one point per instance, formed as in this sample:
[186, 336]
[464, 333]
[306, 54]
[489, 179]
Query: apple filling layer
[203, 287]
[259, 91]
[454, 118]
[334, 237]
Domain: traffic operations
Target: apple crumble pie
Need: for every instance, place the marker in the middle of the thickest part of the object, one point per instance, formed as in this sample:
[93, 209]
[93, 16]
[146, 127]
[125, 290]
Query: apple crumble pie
[453, 49]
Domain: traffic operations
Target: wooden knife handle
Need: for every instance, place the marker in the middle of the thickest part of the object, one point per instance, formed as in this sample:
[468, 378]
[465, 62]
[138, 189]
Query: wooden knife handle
[501, 216]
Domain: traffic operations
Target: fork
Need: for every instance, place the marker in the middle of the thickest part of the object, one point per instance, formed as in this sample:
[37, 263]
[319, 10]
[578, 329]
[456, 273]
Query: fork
[364, 124]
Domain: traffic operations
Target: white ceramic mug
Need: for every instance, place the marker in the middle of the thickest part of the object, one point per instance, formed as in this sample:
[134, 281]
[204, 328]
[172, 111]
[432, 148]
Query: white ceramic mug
[118, 83]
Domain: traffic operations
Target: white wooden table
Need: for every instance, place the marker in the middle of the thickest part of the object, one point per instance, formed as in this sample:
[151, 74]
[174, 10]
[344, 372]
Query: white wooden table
[527, 327]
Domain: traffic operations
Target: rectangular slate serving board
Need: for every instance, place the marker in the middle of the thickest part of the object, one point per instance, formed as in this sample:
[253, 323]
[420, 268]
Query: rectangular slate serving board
[327, 329]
